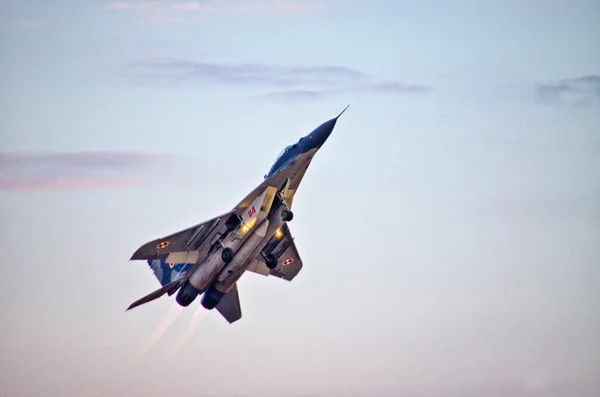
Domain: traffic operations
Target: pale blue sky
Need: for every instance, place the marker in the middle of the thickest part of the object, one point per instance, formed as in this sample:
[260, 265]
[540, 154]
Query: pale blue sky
[449, 228]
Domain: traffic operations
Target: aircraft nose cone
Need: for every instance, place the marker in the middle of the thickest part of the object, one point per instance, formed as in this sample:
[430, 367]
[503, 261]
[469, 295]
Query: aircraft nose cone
[323, 131]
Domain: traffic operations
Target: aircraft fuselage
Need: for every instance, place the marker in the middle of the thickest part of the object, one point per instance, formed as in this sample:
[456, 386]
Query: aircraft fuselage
[210, 257]
[223, 267]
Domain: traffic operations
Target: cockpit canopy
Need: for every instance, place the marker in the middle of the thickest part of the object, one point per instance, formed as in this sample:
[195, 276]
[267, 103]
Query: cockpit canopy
[281, 159]
[288, 148]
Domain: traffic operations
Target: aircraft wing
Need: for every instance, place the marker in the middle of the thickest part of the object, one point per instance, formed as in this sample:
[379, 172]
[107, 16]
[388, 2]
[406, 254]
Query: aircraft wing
[183, 245]
[197, 237]
[283, 247]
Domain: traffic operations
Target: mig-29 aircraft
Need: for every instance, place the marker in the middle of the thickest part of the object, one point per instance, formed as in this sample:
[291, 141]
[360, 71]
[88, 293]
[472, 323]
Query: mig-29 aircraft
[210, 257]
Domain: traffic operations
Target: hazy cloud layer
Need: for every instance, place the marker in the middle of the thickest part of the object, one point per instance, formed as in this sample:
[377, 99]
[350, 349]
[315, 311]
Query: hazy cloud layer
[292, 82]
[385, 88]
[53, 171]
[583, 90]
[186, 12]
[28, 23]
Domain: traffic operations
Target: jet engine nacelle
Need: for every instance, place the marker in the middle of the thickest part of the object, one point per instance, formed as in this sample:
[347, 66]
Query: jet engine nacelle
[228, 256]
[211, 298]
[209, 268]
[203, 276]
[233, 270]
[186, 294]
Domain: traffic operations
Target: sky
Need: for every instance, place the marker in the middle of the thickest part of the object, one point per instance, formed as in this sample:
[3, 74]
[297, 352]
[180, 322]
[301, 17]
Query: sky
[449, 228]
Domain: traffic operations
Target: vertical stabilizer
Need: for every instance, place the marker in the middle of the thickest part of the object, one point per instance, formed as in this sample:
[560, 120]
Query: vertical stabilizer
[229, 306]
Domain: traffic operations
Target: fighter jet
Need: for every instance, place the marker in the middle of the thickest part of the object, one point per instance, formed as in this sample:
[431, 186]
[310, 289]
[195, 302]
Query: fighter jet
[209, 258]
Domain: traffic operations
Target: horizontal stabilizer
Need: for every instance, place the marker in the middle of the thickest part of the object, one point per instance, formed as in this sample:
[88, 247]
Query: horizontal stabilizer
[171, 287]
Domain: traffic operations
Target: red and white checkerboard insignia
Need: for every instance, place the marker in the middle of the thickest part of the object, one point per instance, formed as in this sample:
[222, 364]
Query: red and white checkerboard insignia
[171, 265]
[288, 261]
[162, 245]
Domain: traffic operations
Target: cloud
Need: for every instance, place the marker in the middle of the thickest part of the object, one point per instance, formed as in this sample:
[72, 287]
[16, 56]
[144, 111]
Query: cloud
[575, 91]
[292, 82]
[295, 7]
[29, 23]
[191, 12]
[178, 71]
[292, 95]
[395, 87]
[79, 170]
[389, 88]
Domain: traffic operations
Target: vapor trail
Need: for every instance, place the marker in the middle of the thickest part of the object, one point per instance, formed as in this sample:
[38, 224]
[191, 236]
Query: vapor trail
[198, 316]
[164, 324]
